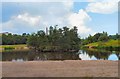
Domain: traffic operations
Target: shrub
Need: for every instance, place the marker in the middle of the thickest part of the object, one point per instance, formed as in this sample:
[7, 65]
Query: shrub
[9, 48]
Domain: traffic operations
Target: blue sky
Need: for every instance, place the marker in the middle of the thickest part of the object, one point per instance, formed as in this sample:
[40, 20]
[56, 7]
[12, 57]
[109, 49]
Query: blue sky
[33, 16]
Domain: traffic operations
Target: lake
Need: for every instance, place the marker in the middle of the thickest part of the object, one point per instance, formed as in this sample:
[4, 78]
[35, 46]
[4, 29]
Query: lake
[29, 55]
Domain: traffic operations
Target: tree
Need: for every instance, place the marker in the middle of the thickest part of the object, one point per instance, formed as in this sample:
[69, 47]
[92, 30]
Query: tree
[90, 39]
[51, 30]
[12, 39]
[103, 37]
[62, 39]
[33, 41]
[96, 37]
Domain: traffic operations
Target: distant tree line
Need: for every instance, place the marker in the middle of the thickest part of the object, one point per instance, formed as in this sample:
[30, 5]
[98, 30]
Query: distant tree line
[12, 39]
[58, 39]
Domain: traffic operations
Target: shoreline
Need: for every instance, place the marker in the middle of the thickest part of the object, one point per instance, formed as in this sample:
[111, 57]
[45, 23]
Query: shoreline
[66, 68]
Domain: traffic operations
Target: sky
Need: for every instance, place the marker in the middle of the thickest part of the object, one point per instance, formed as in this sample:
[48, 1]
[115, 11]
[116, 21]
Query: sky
[90, 16]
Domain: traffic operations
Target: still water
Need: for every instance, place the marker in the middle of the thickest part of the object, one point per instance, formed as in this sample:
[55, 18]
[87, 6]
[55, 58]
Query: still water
[28, 55]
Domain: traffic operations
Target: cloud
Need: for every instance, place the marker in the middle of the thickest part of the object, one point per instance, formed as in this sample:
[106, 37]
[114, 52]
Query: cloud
[32, 20]
[35, 0]
[52, 13]
[22, 23]
[80, 19]
[37, 16]
[103, 0]
[103, 7]
[69, 4]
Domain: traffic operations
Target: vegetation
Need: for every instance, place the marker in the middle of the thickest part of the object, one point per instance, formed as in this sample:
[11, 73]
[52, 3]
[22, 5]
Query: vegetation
[11, 47]
[108, 45]
[102, 41]
[13, 39]
[99, 37]
[62, 39]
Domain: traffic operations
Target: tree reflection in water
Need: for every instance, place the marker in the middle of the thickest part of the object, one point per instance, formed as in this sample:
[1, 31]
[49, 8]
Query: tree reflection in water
[35, 56]
[101, 54]
[28, 55]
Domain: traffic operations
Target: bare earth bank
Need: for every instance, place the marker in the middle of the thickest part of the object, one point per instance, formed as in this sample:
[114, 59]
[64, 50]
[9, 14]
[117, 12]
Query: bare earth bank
[67, 68]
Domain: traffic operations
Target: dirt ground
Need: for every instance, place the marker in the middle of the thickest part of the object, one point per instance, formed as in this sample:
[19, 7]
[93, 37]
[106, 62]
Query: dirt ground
[67, 68]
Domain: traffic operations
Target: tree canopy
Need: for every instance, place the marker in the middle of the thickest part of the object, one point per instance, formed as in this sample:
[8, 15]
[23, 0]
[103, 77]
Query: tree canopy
[62, 39]
[12, 39]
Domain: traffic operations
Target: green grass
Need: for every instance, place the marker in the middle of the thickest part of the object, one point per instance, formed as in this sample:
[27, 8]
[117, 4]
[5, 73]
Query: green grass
[12, 46]
[108, 43]
[112, 43]
[93, 44]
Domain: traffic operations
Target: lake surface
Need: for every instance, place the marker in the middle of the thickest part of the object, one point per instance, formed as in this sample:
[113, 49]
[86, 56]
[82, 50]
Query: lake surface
[28, 55]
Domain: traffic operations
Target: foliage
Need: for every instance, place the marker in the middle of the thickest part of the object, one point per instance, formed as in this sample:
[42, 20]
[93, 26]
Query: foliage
[12, 39]
[99, 37]
[9, 48]
[109, 45]
[62, 39]
[14, 46]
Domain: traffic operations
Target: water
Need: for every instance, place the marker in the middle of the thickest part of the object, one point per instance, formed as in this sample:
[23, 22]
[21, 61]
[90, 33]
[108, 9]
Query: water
[99, 55]
[28, 55]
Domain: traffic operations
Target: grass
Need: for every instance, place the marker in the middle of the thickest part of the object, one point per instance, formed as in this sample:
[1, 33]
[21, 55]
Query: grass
[108, 43]
[112, 43]
[13, 46]
[93, 44]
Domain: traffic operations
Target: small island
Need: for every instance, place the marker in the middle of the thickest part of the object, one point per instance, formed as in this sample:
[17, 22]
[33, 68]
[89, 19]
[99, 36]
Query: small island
[56, 40]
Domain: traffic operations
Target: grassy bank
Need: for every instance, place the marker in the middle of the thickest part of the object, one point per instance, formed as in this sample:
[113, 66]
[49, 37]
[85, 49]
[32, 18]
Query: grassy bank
[109, 45]
[21, 46]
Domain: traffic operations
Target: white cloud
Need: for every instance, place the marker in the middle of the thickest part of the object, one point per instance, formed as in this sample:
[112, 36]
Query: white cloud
[103, 7]
[68, 4]
[52, 13]
[8, 26]
[103, 0]
[111, 0]
[38, 16]
[22, 23]
[79, 19]
[32, 20]
[35, 0]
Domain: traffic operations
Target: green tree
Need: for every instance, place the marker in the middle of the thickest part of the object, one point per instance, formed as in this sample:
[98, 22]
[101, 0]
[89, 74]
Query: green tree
[103, 37]
[62, 39]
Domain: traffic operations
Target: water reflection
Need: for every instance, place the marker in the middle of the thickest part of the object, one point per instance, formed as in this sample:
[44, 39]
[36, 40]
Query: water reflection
[113, 57]
[28, 55]
[93, 54]
[37, 56]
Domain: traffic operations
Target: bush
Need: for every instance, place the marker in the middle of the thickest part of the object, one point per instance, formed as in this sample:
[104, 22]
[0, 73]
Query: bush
[9, 48]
